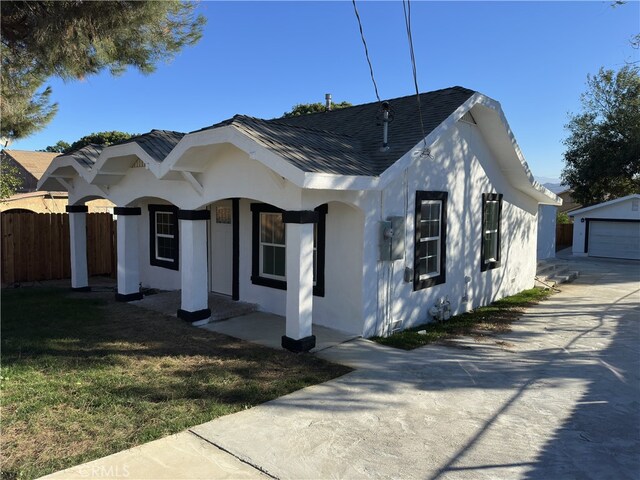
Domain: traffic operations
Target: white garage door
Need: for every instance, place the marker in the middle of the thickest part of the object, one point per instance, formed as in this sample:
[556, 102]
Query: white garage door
[614, 239]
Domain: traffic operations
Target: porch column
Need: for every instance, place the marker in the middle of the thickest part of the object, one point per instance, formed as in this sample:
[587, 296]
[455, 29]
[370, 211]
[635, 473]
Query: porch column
[193, 266]
[78, 242]
[128, 254]
[299, 268]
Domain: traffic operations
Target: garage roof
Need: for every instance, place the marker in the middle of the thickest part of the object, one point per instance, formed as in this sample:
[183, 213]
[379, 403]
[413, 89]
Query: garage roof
[604, 204]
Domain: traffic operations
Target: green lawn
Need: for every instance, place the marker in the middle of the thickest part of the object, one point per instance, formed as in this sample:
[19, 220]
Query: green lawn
[83, 377]
[494, 318]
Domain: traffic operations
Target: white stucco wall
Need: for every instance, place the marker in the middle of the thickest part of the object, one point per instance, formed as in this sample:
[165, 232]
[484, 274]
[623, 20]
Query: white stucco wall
[621, 210]
[341, 306]
[362, 294]
[231, 173]
[546, 231]
[464, 166]
[150, 275]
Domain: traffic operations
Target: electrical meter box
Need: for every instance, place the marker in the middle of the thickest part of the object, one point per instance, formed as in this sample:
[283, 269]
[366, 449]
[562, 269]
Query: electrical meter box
[392, 239]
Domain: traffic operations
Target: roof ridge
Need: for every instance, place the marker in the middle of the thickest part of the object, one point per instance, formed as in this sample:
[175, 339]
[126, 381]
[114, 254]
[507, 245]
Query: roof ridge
[457, 87]
[161, 130]
[25, 151]
[64, 154]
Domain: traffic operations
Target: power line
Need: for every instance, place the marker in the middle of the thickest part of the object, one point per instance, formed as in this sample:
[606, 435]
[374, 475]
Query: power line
[366, 50]
[406, 6]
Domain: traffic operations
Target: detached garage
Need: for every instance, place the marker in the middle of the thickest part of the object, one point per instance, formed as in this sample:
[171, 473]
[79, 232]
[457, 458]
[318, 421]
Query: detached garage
[609, 229]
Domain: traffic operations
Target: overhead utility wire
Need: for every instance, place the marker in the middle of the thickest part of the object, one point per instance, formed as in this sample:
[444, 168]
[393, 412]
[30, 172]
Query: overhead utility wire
[406, 6]
[366, 50]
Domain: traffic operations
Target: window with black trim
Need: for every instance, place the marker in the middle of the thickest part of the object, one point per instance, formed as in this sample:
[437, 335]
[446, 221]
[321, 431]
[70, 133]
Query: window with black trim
[269, 249]
[491, 220]
[163, 236]
[430, 239]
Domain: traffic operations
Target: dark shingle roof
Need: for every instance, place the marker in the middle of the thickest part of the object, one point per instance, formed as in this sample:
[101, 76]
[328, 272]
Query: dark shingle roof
[361, 123]
[87, 155]
[348, 141]
[344, 142]
[157, 143]
[308, 149]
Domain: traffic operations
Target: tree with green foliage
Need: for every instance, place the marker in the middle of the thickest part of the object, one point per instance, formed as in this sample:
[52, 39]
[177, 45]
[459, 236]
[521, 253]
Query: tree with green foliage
[306, 108]
[563, 218]
[101, 138]
[602, 160]
[96, 138]
[74, 39]
[10, 180]
[60, 147]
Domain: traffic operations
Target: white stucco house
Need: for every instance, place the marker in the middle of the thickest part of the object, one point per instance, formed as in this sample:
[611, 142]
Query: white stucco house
[609, 229]
[358, 219]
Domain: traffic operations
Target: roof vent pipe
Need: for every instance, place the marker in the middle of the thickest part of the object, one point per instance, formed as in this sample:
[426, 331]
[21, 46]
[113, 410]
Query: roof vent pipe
[327, 99]
[385, 126]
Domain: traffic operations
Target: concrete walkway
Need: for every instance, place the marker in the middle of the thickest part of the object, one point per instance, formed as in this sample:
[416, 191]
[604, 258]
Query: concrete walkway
[558, 397]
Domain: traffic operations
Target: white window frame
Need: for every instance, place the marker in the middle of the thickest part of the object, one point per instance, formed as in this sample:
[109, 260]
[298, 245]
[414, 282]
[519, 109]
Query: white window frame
[438, 239]
[157, 235]
[277, 245]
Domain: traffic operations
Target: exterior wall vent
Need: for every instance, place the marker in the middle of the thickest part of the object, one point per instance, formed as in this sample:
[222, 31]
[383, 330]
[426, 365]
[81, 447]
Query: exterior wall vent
[137, 164]
[467, 117]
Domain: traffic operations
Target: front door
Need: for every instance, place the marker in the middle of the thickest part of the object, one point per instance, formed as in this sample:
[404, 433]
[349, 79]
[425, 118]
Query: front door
[221, 247]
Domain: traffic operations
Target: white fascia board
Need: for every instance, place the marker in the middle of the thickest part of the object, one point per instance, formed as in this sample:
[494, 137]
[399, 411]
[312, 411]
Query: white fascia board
[519, 173]
[608, 203]
[277, 164]
[122, 150]
[57, 164]
[230, 134]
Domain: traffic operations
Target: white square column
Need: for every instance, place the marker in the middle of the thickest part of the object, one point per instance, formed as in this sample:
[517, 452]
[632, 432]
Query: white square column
[193, 266]
[78, 244]
[299, 269]
[128, 254]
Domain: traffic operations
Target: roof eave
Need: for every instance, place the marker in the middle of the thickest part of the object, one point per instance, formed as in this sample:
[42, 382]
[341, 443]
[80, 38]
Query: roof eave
[580, 211]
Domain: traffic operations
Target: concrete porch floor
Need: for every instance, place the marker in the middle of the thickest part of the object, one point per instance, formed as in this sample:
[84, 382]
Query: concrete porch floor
[222, 307]
[241, 320]
[267, 329]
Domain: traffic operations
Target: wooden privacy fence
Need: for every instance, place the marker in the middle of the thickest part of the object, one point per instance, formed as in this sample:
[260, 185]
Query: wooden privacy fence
[35, 246]
[564, 234]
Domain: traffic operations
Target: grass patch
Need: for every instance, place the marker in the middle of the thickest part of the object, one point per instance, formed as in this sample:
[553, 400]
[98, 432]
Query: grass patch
[494, 318]
[83, 377]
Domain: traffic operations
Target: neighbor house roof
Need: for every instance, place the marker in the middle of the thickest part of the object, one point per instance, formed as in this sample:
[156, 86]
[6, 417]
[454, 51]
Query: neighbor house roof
[36, 163]
[604, 204]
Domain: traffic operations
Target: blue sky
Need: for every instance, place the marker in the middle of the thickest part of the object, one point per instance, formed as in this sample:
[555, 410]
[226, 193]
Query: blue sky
[261, 58]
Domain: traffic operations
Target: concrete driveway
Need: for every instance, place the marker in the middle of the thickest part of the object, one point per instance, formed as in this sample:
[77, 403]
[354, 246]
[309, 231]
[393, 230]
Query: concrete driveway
[557, 398]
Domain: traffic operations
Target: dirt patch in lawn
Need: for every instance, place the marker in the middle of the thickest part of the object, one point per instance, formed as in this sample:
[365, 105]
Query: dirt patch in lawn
[83, 377]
